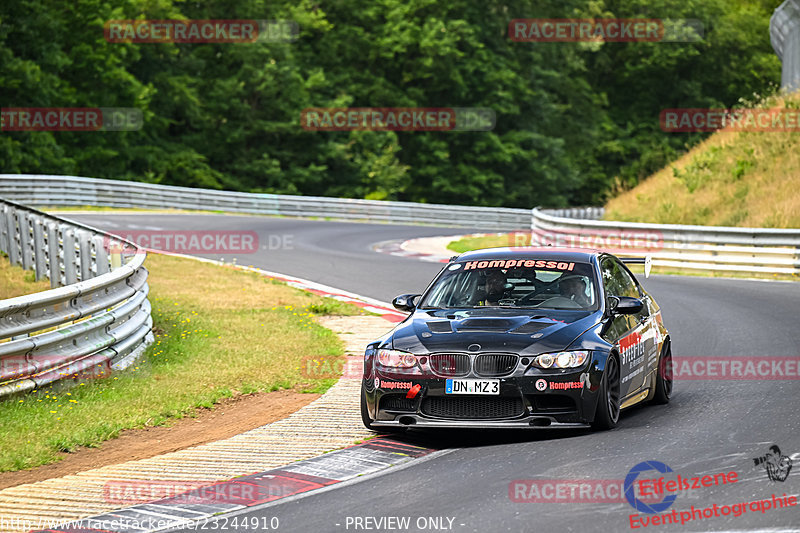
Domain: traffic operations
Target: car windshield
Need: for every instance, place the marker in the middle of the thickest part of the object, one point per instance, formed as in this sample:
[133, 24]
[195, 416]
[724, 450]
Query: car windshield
[520, 283]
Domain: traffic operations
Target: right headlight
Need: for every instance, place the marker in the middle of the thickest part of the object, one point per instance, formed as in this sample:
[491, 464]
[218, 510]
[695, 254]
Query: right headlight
[572, 359]
[396, 359]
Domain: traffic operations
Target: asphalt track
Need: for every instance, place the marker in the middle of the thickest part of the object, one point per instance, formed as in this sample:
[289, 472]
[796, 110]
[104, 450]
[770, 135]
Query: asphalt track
[711, 426]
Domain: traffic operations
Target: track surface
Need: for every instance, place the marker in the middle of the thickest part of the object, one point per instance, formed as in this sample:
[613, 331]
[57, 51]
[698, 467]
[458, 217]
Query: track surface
[709, 427]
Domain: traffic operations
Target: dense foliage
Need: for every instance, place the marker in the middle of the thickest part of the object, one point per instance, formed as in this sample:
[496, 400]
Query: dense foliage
[574, 120]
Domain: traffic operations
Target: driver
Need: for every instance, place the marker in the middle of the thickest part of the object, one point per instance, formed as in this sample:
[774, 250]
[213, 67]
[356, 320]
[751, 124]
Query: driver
[574, 288]
[495, 288]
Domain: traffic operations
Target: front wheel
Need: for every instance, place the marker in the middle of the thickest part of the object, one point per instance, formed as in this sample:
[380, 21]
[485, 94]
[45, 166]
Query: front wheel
[607, 414]
[364, 411]
[664, 377]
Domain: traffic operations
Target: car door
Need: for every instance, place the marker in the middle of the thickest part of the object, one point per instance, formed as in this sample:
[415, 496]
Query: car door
[642, 343]
[620, 325]
[647, 327]
[628, 333]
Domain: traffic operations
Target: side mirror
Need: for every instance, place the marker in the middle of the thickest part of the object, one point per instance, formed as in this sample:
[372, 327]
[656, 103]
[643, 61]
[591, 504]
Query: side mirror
[405, 302]
[624, 305]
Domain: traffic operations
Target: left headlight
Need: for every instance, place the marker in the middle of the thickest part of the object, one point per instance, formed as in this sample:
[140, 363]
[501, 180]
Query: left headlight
[571, 359]
[396, 359]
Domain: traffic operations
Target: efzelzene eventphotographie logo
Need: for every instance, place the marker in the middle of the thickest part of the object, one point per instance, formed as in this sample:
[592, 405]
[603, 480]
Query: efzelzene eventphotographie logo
[636, 503]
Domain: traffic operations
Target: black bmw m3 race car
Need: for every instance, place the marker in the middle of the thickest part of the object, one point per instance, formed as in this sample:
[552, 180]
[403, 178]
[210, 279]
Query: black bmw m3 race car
[519, 338]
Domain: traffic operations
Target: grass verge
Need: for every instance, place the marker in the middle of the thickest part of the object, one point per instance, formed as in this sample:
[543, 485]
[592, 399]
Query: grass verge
[221, 332]
[16, 282]
[468, 244]
[745, 179]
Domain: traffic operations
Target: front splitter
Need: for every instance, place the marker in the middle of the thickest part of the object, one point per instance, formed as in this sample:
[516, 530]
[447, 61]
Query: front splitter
[535, 422]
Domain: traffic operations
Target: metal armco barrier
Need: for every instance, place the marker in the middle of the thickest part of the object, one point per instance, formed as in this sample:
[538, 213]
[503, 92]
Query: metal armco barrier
[96, 319]
[69, 191]
[784, 33]
[707, 248]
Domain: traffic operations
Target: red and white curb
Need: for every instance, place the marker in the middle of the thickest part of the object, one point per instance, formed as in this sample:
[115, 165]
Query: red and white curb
[432, 249]
[398, 249]
[206, 507]
[385, 310]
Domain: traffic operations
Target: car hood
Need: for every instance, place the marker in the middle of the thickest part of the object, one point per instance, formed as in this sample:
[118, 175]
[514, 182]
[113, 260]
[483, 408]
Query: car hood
[502, 330]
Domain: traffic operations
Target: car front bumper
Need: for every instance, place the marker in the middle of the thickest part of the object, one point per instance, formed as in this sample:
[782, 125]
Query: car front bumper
[566, 399]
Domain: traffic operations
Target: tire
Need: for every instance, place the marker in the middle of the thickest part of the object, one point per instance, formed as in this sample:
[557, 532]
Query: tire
[607, 414]
[664, 377]
[365, 412]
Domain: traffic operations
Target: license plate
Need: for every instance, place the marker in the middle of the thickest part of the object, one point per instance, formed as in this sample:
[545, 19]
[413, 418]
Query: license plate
[472, 386]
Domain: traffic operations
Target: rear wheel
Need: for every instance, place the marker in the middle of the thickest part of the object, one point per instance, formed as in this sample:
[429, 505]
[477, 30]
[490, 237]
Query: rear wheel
[664, 377]
[607, 414]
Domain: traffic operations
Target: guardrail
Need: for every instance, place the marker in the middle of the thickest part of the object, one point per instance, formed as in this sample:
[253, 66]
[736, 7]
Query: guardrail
[77, 191]
[96, 319]
[706, 248]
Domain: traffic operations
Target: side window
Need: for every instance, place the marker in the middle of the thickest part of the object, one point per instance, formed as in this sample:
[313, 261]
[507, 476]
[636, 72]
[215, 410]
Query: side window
[617, 280]
[627, 283]
[610, 278]
[616, 285]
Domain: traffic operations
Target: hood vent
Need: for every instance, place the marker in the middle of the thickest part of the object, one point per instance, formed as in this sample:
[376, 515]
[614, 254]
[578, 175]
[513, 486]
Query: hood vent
[532, 327]
[485, 324]
[441, 326]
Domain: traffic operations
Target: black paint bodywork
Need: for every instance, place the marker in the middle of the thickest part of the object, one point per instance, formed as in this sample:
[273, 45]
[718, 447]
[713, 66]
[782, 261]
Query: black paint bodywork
[545, 330]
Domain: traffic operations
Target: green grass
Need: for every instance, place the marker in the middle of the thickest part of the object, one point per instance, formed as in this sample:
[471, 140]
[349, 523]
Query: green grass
[469, 243]
[743, 179]
[221, 332]
[16, 282]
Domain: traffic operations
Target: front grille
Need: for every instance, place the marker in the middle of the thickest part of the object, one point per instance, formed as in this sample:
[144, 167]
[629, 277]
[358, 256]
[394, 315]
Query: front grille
[449, 364]
[495, 364]
[397, 403]
[472, 408]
